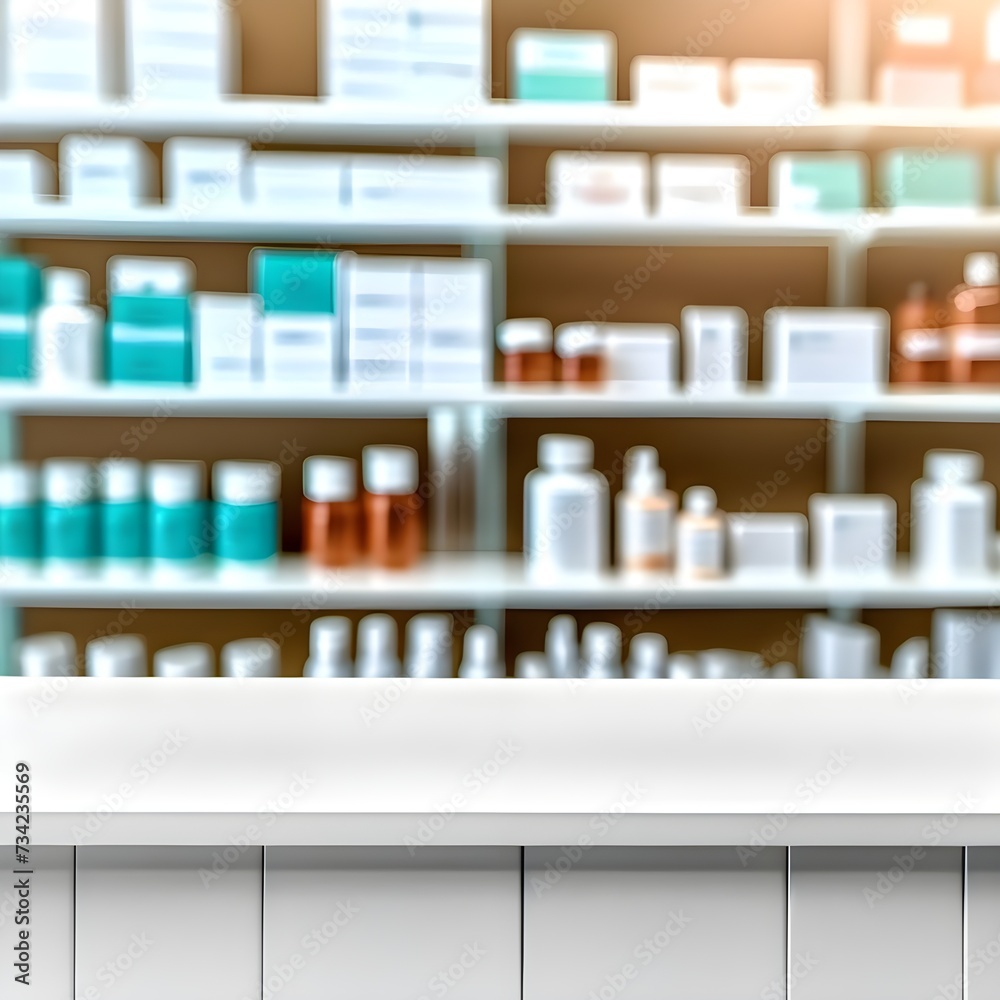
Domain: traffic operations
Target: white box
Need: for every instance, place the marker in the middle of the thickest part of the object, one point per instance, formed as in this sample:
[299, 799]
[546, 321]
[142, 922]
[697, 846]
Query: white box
[438, 185]
[227, 337]
[562, 64]
[767, 544]
[150, 275]
[376, 922]
[204, 175]
[686, 184]
[965, 644]
[26, 178]
[113, 172]
[649, 923]
[598, 184]
[833, 650]
[810, 346]
[457, 331]
[172, 921]
[853, 534]
[430, 54]
[642, 352]
[715, 348]
[790, 86]
[300, 347]
[312, 183]
[680, 88]
[904, 86]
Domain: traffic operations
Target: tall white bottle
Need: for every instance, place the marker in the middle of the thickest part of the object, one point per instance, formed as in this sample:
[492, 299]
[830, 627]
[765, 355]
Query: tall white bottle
[645, 514]
[69, 332]
[701, 536]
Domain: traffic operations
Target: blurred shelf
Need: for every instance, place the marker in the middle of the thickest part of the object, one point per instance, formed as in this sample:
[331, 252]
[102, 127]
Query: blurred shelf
[841, 762]
[308, 120]
[466, 581]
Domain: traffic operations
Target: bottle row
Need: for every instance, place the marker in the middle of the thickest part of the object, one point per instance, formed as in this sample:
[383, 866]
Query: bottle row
[964, 645]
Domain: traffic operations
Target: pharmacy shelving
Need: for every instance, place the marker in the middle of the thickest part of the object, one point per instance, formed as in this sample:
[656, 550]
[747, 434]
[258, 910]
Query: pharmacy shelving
[445, 581]
[836, 762]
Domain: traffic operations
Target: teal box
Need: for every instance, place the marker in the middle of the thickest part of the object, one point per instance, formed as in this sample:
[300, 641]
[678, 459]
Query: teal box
[181, 532]
[302, 281]
[123, 530]
[925, 178]
[247, 532]
[20, 532]
[70, 532]
[819, 182]
[555, 65]
[20, 297]
[149, 339]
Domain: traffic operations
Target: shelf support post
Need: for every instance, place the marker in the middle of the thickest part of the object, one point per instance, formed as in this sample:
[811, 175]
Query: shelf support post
[10, 617]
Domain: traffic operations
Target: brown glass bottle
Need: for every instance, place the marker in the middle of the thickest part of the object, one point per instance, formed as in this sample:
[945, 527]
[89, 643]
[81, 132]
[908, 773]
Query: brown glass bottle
[529, 366]
[526, 346]
[921, 345]
[581, 352]
[393, 510]
[331, 511]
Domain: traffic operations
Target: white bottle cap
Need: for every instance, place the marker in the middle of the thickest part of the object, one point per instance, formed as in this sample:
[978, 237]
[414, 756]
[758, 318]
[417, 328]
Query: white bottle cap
[700, 501]
[69, 481]
[329, 648]
[192, 659]
[562, 647]
[390, 469]
[982, 269]
[428, 646]
[121, 480]
[953, 466]
[49, 654]
[377, 642]
[516, 336]
[117, 656]
[643, 475]
[170, 482]
[326, 479]
[246, 658]
[565, 453]
[647, 657]
[66, 286]
[532, 666]
[481, 654]
[150, 276]
[783, 671]
[18, 484]
[601, 651]
[683, 667]
[246, 482]
[574, 340]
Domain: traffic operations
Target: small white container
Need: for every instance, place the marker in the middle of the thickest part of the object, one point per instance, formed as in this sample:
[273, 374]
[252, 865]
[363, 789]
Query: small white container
[911, 661]
[547, 64]
[192, 659]
[833, 650]
[69, 333]
[776, 85]
[562, 647]
[312, 184]
[852, 534]
[428, 646]
[249, 658]
[481, 654]
[679, 88]
[601, 652]
[645, 514]
[701, 536]
[109, 171]
[532, 667]
[647, 657]
[690, 186]
[729, 664]
[566, 513]
[204, 176]
[716, 345]
[26, 178]
[642, 352]
[683, 667]
[329, 648]
[763, 544]
[377, 647]
[227, 335]
[582, 183]
[953, 516]
[49, 654]
[965, 645]
[117, 656]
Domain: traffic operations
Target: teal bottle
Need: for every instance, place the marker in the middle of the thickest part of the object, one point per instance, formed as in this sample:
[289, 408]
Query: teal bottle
[124, 517]
[246, 510]
[20, 514]
[180, 527]
[70, 517]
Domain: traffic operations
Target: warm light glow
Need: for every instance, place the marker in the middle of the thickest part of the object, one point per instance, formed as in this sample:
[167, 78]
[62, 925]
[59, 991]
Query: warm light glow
[923, 29]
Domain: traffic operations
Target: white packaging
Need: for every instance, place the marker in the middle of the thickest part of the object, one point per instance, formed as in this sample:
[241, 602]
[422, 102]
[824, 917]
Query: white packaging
[26, 178]
[965, 644]
[833, 650]
[776, 85]
[645, 514]
[455, 335]
[953, 516]
[56, 51]
[852, 534]
[69, 333]
[310, 183]
[925, 86]
[150, 276]
[763, 544]
[686, 185]
[701, 536]
[300, 348]
[583, 182]
[430, 54]
[204, 175]
[566, 514]
[679, 88]
[819, 345]
[108, 171]
[227, 337]
[559, 64]
[642, 352]
[715, 348]
[432, 186]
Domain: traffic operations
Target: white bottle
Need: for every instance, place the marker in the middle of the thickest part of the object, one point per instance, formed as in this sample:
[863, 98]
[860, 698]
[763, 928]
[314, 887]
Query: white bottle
[249, 658]
[481, 654]
[783, 671]
[562, 648]
[70, 331]
[329, 648]
[532, 667]
[49, 654]
[428, 651]
[601, 651]
[683, 667]
[566, 514]
[647, 657]
[117, 656]
[953, 515]
[730, 664]
[912, 659]
[645, 514]
[377, 645]
[192, 659]
[701, 536]
[833, 650]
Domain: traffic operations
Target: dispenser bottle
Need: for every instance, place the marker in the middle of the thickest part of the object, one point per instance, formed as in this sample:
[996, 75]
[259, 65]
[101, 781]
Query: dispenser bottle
[645, 514]
[69, 332]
